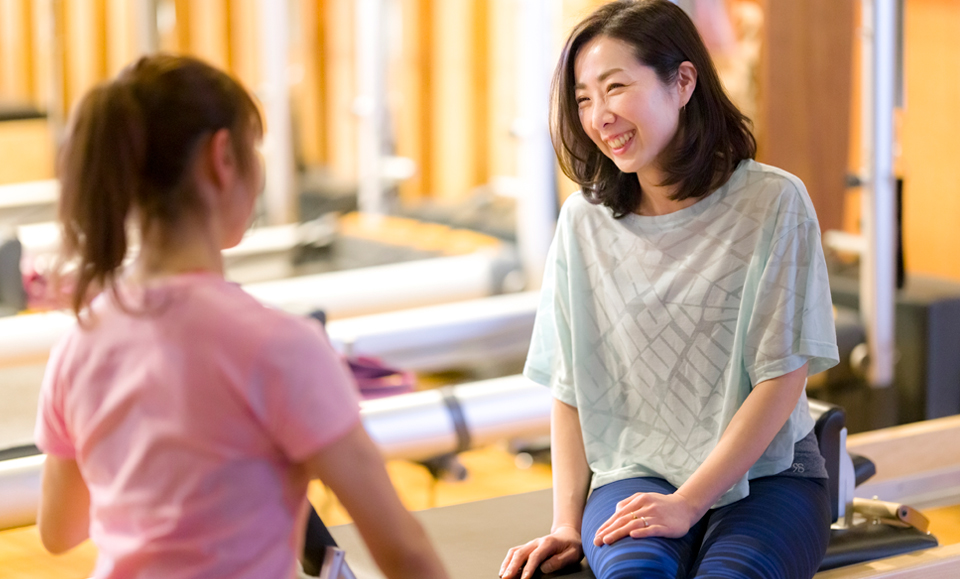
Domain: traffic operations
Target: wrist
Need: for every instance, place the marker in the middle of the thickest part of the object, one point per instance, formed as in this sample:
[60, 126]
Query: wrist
[560, 527]
[696, 509]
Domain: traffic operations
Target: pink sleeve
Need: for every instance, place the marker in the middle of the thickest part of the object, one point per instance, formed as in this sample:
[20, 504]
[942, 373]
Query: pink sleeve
[50, 433]
[309, 396]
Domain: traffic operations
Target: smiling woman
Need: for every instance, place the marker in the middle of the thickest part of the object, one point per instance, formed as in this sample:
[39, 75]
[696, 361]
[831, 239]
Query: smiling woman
[706, 135]
[684, 303]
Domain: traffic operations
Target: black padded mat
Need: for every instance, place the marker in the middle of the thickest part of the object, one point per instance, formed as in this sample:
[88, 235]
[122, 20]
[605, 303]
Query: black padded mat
[471, 538]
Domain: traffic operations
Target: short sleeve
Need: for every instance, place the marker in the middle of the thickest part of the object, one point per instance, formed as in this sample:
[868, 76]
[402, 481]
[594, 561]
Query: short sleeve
[549, 359]
[791, 320]
[309, 398]
[51, 434]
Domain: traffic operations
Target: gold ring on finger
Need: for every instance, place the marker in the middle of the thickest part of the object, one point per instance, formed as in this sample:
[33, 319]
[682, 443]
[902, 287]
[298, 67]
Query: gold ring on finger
[634, 516]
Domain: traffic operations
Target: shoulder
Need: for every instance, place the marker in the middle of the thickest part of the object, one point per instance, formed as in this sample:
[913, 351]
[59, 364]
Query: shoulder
[773, 195]
[577, 211]
[244, 315]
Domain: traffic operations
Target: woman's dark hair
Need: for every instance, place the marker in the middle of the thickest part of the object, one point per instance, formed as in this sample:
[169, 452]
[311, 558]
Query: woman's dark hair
[130, 147]
[713, 135]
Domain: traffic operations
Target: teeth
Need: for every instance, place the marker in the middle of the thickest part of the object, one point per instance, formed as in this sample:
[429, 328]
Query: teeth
[620, 141]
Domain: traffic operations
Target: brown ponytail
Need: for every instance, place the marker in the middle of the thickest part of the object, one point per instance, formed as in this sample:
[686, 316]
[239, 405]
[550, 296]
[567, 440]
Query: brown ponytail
[129, 148]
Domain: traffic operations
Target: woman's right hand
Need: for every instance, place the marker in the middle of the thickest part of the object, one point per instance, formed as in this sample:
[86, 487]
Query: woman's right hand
[551, 553]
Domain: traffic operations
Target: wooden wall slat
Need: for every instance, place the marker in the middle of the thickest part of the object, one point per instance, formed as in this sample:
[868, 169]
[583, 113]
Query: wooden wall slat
[407, 100]
[16, 55]
[338, 49]
[805, 89]
[931, 123]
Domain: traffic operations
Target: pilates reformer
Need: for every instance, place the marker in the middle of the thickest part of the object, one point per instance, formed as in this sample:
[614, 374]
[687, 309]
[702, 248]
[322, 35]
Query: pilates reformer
[473, 538]
[436, 422]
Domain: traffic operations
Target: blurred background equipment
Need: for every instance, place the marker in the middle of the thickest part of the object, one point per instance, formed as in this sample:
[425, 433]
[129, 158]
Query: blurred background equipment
[411, 195]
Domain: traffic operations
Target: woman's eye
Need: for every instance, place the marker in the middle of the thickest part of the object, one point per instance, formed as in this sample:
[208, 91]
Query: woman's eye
[614, 85]
[582, 101]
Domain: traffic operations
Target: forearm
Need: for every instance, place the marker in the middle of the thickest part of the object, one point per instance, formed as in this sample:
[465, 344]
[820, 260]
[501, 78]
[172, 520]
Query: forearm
[749, 433]
[571, 472]
[63, 517]
[406, 553]
[353, 468]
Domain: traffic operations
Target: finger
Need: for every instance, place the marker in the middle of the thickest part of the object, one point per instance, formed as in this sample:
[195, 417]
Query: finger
[615, 522]
[517, 559]
[620, 532]
[545, 550]
[506, 561]
[617, 516]
[561, 560]
[628, 500]
[599, 539]
[624, 508]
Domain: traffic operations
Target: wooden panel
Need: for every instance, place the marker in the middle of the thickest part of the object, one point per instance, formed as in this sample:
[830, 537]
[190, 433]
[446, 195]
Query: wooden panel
[121, 35]
[408, 99]
[244, 41]
[307, 91]
[938, 563]
[454, 158]
[85, 55]
[501, 90]
[338, 115]
[931, 123]
[16, 56]
[42, 53]
[805, 84]
[207, 32]
[26, 148]
[894, 450]
[23, 557]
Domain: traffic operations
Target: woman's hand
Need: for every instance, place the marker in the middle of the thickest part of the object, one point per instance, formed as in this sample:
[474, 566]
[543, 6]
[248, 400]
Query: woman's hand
[648, 515]
[555, 551]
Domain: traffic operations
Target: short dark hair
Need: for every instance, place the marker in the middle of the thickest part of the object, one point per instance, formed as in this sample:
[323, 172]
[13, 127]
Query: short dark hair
[713, 135]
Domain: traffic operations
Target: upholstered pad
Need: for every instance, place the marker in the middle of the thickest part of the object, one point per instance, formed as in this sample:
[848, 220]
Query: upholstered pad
[473, 538]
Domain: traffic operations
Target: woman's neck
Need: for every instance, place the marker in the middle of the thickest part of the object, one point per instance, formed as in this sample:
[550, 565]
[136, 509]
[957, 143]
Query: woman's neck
[183, 250]
[656, 199]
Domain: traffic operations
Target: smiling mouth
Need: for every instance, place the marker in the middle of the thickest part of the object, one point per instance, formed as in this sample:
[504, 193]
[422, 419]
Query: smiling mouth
[621, 140]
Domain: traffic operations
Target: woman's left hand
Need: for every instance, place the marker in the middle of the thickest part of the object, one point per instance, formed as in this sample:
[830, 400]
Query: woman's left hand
[648, 515]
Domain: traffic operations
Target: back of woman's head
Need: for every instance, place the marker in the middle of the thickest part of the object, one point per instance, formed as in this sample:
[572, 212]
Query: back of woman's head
[129, 151]
[712, 137]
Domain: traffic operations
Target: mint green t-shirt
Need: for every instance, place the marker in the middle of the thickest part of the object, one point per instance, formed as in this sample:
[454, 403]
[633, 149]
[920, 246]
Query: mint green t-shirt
[657, 327]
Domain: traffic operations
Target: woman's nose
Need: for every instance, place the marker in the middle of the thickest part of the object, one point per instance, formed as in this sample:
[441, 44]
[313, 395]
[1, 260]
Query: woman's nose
[601, 115]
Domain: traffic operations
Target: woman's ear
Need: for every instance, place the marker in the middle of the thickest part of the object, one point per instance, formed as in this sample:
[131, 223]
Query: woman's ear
[686, 81]
[221, 159]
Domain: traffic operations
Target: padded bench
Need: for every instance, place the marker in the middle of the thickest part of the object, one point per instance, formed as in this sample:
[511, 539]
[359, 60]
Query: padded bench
[473, 538]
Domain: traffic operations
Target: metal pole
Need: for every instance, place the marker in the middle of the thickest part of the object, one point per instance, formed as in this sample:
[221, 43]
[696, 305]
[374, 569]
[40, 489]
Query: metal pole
[274, 93]
[537, 194]
[370, 104]
[878, 208]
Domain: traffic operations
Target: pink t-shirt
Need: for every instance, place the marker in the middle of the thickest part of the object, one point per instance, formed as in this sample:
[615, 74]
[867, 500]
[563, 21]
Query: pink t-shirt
[186, 421]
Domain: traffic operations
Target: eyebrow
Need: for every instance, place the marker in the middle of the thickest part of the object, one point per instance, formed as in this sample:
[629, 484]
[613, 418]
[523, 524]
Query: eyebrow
[603, 76]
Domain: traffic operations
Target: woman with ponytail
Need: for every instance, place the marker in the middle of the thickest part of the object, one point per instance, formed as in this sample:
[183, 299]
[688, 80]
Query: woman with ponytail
[181, 419]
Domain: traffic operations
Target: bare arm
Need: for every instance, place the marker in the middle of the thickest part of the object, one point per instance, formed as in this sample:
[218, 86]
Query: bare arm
[63, 518]
[571, 472]
[353, 468]
[749, 433]
[571, 481]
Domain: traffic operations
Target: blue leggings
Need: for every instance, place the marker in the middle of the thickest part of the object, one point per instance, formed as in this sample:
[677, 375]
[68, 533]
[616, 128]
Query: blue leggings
[780, 531]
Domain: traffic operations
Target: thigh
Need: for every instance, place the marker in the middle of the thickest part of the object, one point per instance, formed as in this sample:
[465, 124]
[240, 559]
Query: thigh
[653, 557]
[780, 531]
